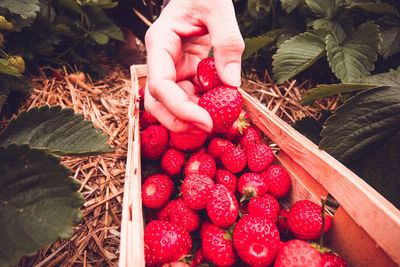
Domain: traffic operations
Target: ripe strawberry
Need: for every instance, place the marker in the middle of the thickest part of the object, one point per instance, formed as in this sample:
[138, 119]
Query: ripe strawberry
[201, 163]
[217, 146]
[198, 258]
[238, 128]
[195, 190]
[165, 242]
[216, 248]
[157, 190]
[282, 221]
[146, 119]
[173, 161]
[224, 104]
[203, 228]
[256, 239]
[305, 220]
[234, 159]
[222, 206]
[177, 212]
[154, 141]
[298, 253]
[266, 205]
[278, 181]
[331, 259]
[176, 264]
[189, 141]
[226, 178]
[207, 75]
[250, 138]
[17, 62]
[259, 156]
[251, 185]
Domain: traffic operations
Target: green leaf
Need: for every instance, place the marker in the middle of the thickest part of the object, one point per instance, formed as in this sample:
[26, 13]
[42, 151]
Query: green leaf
[105, 4]
[297, 54]
[324, 90]
[332, 26]
[390, 41]
[375, 7]
[8, 69]
[58, 130]
[310, 128]
[70, 5]
[252, 45]
[362, 123]
[391, 78]
[289, 5]
[99, 37]
[25, 12]
[323, 8]
[3, 99]
[38, 201]
[353, 59]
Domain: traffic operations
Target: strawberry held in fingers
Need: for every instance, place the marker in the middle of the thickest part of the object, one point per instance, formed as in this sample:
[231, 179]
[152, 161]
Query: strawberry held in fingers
[298, 253]
[222, 206]
[195, 190]
[207, 75]
[154, 141]
[157, 190]
[224, 104]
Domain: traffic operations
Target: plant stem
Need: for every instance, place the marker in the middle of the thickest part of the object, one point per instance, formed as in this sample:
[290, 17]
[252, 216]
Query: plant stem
[321, 237]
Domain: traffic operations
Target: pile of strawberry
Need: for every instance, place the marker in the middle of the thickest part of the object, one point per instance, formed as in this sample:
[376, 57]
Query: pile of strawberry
[213, 199]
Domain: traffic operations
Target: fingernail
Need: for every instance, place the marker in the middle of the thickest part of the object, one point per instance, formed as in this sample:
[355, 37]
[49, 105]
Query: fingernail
[232, 73]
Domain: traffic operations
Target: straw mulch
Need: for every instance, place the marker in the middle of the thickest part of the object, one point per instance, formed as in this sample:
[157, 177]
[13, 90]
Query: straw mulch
[96, 239]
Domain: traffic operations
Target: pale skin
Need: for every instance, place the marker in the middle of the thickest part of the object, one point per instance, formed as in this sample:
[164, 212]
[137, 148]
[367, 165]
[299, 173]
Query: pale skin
[184, 34]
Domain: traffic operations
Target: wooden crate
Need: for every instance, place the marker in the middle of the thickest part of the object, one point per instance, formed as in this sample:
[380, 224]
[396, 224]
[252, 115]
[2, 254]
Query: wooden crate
[365, 229]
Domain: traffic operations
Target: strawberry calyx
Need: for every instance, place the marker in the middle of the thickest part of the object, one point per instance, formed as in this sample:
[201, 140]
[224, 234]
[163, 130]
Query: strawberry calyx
[243, 122]
[248, 194]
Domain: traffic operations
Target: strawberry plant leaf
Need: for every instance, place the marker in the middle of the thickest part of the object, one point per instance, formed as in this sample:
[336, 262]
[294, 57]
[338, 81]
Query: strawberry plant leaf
[391, 78]
[323, 8]
[297, 54]
[99, 37]
[352, 59]
[375, 7]
[58, 130]
[252, 45]
[289, 5]
[24, 12]
[6, 68]
[39, 202]
[390, 41]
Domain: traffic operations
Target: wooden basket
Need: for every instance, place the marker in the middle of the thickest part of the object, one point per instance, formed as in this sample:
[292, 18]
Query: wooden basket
[366, 226]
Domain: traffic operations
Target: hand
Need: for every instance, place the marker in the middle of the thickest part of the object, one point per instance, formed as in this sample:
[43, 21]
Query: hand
[176, 42]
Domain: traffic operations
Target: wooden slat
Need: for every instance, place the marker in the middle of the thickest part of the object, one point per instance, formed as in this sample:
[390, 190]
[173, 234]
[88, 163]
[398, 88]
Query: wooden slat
[366, 206]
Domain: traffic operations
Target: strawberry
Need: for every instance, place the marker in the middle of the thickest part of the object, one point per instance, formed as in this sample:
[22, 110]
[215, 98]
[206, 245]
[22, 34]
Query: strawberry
[165, 242]
[278, 181]
[177, 212]
[141, 98]
[188, 141]
[256, 239]
[226, 178]
[173, 162]
[266, 205]
[146, 119]
[259, 156]
[305, 220]
[217, 146]
[207, 75]
[222, 206]
[195, 189]
[17, 62]
[298, 253]
[5, 25]
[157, 190]
[224, 104]
[216, 248]
[250, 138]
[176, 264]
[282, 221]
[203, 228]
[198, 258]
[331, 259]
[238, 128]
[251, 185]
[234, 159]
[154, 141]
[201, 163]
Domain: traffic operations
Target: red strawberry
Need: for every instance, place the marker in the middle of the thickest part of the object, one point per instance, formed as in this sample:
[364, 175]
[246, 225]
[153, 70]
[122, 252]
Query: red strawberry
[266, 205]
[216, 248]
[238, 128]
[146, 119]
[298, 253]
[203, 228]
[256, 239]
[226, 178]
[234, 159]
[224, 104]
[250, 138]
[141, 98]
[222, 206]
[176, 264]
[198, 258]
[189, 141]
[154, 141]
[165, 242]
[282, 221]
[195, 190]
[278, 180]
[251, 184]
[331, 259]
[173, 161]
[259, 156]
[177, 212]
[207, 75]
[201, 163]
[157, 190]
[305, 220]
[217, 146]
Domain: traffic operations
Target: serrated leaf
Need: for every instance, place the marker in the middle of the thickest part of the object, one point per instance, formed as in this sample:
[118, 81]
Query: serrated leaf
[391, 78]
[289, 5]
[38, 201]
[353, 59]
[375, 7]
[8, 69]
[99, 37]
[324, 90]
[297, 54]
[332, 26]
[57, 130]
[323, 8]
[25, 8]
[252, 45]
[390, 41]
[362, 123]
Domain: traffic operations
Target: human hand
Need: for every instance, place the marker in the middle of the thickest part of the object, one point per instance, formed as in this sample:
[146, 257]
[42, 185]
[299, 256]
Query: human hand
[176, 42]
